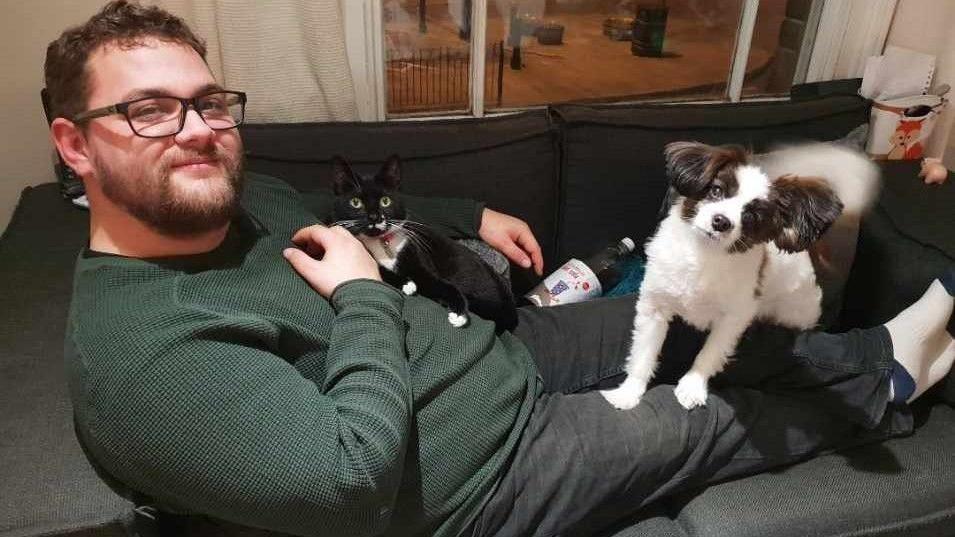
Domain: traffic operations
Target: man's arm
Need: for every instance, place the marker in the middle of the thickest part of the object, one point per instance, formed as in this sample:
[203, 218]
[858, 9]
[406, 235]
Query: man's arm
[218, 424]
[211, 420]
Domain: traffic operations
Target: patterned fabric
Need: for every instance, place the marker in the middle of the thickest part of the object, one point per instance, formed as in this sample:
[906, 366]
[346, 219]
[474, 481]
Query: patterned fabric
[492, 257]
[288, 56]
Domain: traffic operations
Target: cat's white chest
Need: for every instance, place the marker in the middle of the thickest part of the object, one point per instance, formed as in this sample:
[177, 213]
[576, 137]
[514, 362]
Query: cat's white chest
[385, 248]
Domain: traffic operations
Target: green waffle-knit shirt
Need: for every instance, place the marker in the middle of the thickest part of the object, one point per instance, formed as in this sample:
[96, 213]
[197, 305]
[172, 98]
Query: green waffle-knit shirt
[222, 384]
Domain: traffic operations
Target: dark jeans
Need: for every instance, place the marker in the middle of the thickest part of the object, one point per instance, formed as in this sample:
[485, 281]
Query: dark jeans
[582, 465]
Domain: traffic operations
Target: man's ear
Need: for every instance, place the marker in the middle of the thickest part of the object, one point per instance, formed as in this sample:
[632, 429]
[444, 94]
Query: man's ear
[690, 166]
[343, 178]
[390, 173]
[70, 142]
[806, 207]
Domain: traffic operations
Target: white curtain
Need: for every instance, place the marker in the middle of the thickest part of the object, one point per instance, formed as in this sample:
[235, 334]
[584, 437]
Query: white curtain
[287, 55]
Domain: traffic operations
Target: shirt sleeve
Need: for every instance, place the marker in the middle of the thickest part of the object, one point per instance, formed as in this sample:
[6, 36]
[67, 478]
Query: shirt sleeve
[215, 421]
[457, 218]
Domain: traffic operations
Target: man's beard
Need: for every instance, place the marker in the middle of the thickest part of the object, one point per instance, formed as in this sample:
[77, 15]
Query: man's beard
[153, 197]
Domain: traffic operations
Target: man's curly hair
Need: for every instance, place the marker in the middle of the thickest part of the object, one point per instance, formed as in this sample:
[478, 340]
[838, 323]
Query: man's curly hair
[120, 23]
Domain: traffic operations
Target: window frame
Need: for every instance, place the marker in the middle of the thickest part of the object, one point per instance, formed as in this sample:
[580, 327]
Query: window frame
[847, 32]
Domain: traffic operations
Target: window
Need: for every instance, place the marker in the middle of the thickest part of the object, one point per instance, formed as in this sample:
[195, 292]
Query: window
[483, 56]
[783, 40]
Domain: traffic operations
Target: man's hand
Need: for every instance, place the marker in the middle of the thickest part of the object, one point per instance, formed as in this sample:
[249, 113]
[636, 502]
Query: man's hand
[513, 238]
[343, 258]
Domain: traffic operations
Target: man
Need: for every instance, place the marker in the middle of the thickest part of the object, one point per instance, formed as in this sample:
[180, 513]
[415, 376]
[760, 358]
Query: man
[211, 376]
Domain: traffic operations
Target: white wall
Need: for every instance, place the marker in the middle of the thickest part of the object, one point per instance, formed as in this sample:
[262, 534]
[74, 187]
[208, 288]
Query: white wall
[26, 27]
[927, 26]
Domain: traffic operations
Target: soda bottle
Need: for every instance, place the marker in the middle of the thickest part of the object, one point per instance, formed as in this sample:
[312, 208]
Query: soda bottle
[577, 281]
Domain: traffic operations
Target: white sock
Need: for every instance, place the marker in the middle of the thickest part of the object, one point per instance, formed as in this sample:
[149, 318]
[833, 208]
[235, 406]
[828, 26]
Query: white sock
[921, 343]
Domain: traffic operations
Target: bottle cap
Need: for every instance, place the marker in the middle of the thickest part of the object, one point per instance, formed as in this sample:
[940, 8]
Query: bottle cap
[628, 243]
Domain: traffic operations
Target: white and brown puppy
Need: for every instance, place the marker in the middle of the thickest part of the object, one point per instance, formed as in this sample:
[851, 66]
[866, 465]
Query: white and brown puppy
[733, 249]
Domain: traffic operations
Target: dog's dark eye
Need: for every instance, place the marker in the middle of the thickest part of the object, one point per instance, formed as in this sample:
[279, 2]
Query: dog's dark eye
[715, 192]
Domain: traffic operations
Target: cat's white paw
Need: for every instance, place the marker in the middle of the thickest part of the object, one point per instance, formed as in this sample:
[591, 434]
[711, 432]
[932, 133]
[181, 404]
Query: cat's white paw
[627, 395]
[456, 320]
[691, 391]
[409, 288]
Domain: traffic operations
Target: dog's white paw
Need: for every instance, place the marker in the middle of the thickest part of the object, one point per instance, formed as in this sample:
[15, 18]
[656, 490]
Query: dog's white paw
[627, 395]
[456, 320]
[691, 391]
[409, 288]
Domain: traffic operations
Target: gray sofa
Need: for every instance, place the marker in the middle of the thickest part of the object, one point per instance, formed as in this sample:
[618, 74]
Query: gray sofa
[581, 176]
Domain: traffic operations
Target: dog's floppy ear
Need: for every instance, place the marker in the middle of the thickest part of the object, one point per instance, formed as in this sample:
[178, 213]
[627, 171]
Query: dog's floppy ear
[806, 208]
[343, 178]
[685, 164]
[690, 166]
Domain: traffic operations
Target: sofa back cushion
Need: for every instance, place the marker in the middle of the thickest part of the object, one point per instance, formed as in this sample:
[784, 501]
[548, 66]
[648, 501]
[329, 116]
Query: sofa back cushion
[905, 242]
[612, 178]
[508, 162]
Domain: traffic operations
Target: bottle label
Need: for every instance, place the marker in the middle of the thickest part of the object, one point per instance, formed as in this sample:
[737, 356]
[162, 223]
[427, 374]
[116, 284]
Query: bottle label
[572, 282]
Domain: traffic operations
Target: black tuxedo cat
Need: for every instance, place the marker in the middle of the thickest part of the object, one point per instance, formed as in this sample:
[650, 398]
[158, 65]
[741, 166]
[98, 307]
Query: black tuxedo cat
[413, 257]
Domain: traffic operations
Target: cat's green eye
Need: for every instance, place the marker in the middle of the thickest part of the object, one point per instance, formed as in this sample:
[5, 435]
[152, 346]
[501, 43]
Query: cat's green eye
[384, 201]
[355, 202]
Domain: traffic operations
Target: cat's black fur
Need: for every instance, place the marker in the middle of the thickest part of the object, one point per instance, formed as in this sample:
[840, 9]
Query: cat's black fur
[441, 269]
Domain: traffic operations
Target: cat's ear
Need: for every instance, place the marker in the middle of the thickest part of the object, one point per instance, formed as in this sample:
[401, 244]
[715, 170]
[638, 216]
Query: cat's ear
[390, 174]
[343, 178]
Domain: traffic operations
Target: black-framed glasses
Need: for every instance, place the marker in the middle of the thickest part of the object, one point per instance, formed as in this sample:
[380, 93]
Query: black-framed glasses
[158, 117]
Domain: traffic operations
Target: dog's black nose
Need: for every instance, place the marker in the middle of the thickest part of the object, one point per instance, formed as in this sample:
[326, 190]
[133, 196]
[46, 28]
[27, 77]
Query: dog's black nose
[721, 223]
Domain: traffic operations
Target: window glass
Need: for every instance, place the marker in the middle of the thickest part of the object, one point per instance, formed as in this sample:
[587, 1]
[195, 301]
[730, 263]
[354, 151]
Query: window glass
[540, 52]
[781, 26]
[427, 55]
[597, 50]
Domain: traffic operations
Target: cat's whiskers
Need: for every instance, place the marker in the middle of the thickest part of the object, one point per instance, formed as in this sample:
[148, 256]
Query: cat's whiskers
[415, 240]
[420, 243]
[414, 236]
[347, 224]
[414, 223]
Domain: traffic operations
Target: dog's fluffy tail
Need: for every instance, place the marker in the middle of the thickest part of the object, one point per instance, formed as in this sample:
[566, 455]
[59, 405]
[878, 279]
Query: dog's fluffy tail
[853, 177]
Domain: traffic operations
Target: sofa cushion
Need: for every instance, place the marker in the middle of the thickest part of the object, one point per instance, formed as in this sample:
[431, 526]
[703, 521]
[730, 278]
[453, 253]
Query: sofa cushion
[901, 487]
[923, 211]
[612, 161]
[46, 485]
[511, 161]
[904, 243]
[653, 521]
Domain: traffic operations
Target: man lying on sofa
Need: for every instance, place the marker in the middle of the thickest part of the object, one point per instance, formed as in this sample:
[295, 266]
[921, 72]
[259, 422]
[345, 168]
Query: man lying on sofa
[218, 369]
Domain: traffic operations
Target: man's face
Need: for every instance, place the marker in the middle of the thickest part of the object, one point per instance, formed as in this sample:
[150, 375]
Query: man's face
[179, 185]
